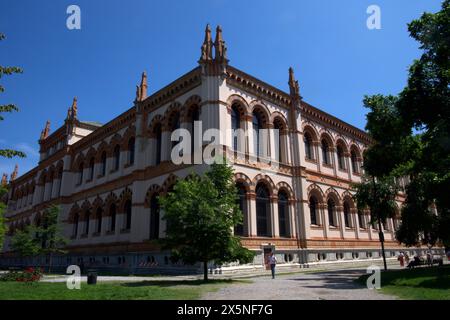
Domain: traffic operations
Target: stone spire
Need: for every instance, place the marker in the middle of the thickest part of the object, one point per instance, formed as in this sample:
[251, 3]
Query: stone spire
[72, 112]
[219, 46]
[4, 180]
[294, 88]
[141, 90]
[15, 173]
[207, 45]
[46, 131]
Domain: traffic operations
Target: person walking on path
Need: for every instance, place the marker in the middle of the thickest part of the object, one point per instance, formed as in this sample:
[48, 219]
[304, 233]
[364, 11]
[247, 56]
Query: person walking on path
[401, 258]
[272, 262]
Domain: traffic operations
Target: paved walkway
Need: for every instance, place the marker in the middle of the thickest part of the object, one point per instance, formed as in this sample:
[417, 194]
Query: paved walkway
[329, 285]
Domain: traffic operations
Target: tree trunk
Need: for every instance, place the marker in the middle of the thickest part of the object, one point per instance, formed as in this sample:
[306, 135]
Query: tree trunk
[381, 236]
[50, 263]
[205, 271]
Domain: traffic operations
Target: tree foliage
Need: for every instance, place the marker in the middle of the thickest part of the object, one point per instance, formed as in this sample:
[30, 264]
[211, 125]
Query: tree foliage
[201, 213]
[8, 108]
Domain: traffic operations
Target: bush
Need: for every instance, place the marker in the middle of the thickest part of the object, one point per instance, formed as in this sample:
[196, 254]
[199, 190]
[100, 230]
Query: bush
[29, 275]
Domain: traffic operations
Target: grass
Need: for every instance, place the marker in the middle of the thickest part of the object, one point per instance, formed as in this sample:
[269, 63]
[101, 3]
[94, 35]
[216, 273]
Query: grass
[144, 290]
[424, 283]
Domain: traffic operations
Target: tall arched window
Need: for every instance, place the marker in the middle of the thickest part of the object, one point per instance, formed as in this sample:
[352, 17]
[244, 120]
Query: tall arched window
[131, 151]
[112, 213]
[313, 210]
[355, 164]
[76, 220]
[103, 160]
[309, 152]
[283, 214]
[60, 174]
[235, 125]
[80, 173]
[154, 217]
[116, 156]
[87, 221]
[361, 222]
[257, 126]
[326, 152]
[347, 218]
[262, 210]
[341, 157]
[91, 169]
[331, 212]
[99, 218]
[158, 132]
[127, 207]
[279, 155]
[239, 228]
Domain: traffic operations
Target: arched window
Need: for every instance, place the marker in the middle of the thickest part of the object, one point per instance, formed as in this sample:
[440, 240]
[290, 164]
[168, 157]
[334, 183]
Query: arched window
[257, 126]
[131, 151]
[91, 169]
[361, 222]
[331, 212]
[127, 224]
[355, 165]
[99, 216]
[280, 156]
[239, 228]
[313, 210]
[175, 126]
[76, 220]
[158, 132]
[341, 157]
[154, 217]
[326, 152]
[103, 159]
[283, 214]
[112, 213]
[116, 157]
[80, 173]
[60, 174]
[87, 220]
[235, 125]
[309, 152]
[262, 210]
[347, 218]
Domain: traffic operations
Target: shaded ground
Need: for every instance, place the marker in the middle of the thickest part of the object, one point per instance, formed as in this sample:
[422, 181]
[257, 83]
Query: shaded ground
[329, 285]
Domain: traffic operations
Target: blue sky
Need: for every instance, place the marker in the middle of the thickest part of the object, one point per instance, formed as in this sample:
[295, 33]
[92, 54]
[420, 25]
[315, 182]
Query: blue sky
[337, 59]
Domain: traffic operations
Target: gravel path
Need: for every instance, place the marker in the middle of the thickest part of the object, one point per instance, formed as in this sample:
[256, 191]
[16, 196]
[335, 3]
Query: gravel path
[330, 285]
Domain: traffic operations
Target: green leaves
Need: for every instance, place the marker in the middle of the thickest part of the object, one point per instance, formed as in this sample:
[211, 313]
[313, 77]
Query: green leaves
[201, 213]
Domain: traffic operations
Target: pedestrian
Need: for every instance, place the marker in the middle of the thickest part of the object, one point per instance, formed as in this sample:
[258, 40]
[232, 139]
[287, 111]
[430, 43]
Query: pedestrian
[272, 262]
[401, 258]
[406, 258]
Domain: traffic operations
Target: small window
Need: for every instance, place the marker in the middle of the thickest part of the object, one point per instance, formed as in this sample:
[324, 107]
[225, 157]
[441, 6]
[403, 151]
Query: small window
[131, 149]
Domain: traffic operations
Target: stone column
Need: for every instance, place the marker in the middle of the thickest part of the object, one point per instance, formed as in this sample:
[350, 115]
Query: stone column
[252, 214]
[274, 223]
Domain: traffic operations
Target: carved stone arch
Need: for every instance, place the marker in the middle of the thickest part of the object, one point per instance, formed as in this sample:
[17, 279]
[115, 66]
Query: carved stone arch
[277, 118]
[110, 199]
[42, 177]
[78, 160]
[73, 212]
[311, 129]
[115, 140]
[85, 207]
[169, 182]
[260, 178]
[240, 103]
[59, 169]
[96, 204]
[284, 186]
[156, 120]
[333, 194]
[244, 180]
[328, 137]
[192, 103]
[169, 116]
[315, 190]
[340, 141]
[153, 189]
[348, 197]
[354, 148]
[129, 133]
[259, 107]
[102, 147]
[90, 154]
[125, 195]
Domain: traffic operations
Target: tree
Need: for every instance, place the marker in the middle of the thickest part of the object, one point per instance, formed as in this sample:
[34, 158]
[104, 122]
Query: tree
[201, 213]
[377, 194]
[8, 108]
[3, 191]
[44, 239]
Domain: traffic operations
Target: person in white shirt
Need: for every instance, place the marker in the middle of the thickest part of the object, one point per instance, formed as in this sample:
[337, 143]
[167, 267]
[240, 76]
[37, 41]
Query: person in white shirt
[272, 261]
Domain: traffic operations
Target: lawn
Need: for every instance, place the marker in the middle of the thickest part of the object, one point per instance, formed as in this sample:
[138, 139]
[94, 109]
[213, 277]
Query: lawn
[145, 290]
[424, 283]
